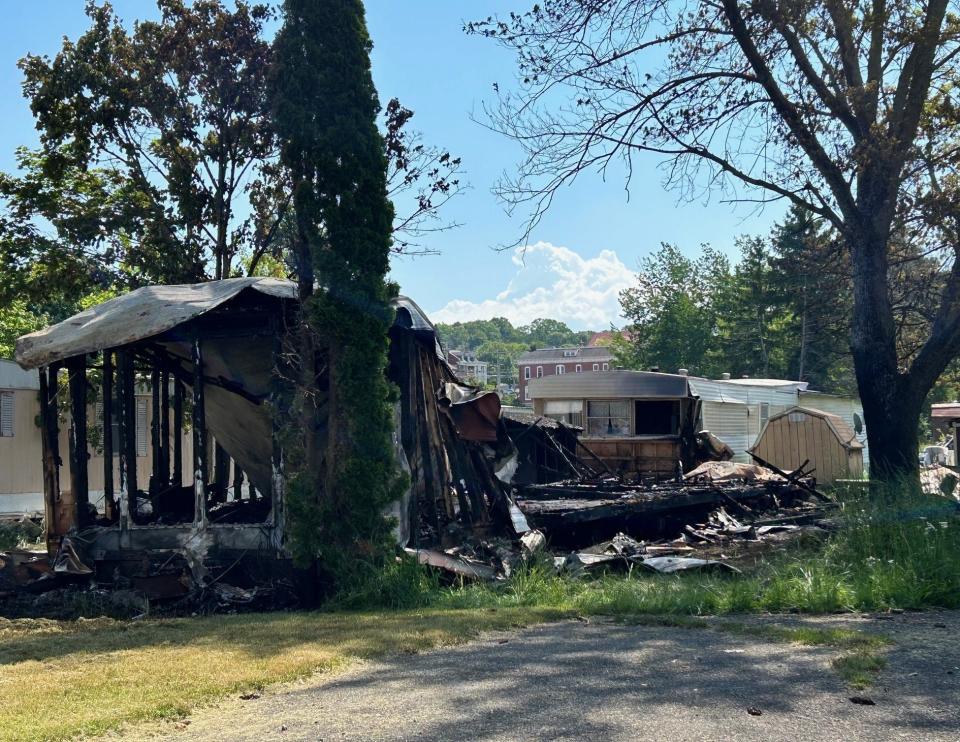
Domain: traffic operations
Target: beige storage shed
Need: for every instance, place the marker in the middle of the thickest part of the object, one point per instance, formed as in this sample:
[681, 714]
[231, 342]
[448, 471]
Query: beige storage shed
[804, 434]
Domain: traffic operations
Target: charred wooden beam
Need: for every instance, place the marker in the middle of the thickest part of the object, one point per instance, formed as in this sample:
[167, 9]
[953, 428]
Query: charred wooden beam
[221, 473]
[177, 474]
[49, 438]
[199, 436]
[155, 483]
[109, 506]
[79, 482]
[165, 427]
[126, 402]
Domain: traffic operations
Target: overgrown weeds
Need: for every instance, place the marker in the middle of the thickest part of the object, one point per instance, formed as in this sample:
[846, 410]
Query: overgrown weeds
[888, 553]
[19, 534]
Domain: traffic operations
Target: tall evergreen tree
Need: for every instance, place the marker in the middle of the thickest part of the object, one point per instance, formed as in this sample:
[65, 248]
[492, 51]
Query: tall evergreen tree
[812, 287]
[325, 116]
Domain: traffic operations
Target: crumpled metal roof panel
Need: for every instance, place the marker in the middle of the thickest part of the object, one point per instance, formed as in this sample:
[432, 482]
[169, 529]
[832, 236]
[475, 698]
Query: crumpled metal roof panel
[138, 315]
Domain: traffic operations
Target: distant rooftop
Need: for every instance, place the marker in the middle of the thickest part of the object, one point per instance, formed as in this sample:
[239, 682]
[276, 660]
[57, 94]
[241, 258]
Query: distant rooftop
[545, 355]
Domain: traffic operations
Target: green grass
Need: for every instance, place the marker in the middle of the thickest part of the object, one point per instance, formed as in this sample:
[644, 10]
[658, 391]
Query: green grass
[902, 555]
[60, 679]
[859, 669]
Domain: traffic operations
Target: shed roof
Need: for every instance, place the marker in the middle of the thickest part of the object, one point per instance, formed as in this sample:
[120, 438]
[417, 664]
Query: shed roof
[141, 314]
[840, 428]
[945, 411]
[610, 384]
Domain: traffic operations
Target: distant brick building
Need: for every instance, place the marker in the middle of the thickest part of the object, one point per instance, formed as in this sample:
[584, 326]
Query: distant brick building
[536, 364]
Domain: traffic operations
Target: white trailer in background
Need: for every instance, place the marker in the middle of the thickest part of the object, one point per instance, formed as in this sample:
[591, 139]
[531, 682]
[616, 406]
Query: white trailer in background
[735, 410]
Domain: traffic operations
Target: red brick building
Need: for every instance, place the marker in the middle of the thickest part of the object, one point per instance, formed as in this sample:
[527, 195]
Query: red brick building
[536, 364]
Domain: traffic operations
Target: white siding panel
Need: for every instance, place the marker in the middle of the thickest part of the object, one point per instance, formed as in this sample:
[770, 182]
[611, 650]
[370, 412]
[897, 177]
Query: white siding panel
[730, 422]
[14, 377]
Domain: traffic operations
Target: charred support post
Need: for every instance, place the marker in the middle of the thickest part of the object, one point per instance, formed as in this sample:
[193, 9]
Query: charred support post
[155, 430]
[165, 427]
[109, 506]
[128, 437]
[79, 483]
[177, 475]
[50, 436]
[199, 439]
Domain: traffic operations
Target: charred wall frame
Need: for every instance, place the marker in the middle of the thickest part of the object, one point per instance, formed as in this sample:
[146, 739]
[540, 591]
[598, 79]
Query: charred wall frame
[68, 508]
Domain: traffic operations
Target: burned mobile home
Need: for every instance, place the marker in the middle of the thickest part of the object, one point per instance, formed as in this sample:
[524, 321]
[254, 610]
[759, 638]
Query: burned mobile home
[211, 354]
[639, 423]
[209, 520]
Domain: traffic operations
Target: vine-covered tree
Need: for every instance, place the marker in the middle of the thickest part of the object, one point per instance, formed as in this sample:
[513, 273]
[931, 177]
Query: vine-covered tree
[325, 108]
[846, 109]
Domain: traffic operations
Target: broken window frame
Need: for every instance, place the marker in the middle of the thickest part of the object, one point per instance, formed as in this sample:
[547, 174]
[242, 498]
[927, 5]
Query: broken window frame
[569, 412]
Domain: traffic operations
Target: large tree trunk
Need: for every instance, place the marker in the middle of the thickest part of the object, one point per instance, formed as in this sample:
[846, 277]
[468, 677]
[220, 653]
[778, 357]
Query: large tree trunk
[891, 399]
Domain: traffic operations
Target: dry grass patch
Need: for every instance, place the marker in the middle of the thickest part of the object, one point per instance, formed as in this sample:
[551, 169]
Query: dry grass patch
[61, 679]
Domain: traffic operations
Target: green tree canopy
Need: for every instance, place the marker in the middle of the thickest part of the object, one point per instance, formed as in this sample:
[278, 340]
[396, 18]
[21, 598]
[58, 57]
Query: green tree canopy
[673, 311]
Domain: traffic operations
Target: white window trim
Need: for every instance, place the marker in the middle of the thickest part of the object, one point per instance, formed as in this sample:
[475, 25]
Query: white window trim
[606, 366]
[578, 369]
[526, 394]
[561, 369]
[596, 366]
[526, 372]
[539, 372]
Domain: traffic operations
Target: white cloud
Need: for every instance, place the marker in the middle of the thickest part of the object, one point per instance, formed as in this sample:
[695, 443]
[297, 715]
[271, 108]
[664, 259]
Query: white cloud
[554, 282]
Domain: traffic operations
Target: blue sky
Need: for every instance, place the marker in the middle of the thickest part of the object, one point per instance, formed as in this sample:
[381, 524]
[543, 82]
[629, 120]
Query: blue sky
[586, 247]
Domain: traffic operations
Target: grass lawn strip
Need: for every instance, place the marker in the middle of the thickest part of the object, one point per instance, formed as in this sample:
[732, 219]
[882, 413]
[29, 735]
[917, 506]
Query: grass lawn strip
[62, 679]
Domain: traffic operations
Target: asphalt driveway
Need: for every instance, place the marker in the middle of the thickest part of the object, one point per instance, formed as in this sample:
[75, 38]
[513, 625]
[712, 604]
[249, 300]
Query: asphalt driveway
[605, 681]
